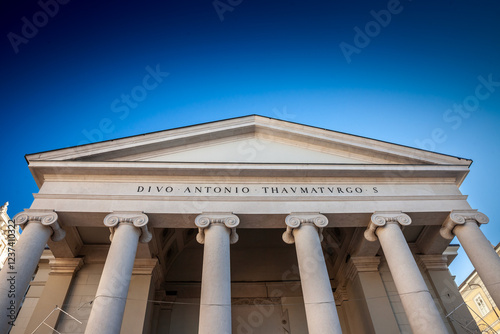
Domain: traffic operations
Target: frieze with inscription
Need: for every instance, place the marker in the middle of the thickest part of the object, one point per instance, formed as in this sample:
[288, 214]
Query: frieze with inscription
[262, 190]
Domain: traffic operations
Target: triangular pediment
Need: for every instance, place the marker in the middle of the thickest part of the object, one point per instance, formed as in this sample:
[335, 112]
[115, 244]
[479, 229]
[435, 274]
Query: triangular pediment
[250, 150]
[250, 139]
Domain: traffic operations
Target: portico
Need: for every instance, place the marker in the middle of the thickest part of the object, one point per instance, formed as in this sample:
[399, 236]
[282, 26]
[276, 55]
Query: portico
[248, 225]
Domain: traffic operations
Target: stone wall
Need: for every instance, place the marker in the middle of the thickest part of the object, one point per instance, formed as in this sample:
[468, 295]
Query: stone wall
[80, 296]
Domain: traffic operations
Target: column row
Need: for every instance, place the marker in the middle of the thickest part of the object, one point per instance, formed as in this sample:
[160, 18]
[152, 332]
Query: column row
[217, 231]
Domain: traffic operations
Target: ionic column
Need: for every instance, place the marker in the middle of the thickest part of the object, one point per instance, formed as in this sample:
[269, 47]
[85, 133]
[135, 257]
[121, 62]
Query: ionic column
[216, 232]
[15, 276]
[417, 301]
[465, 225]
[127, 229]
[305, 230]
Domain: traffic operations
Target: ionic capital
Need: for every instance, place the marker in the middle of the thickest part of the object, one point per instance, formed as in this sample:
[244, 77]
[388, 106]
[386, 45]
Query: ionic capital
[294, 221]
[459, 217]
[44, 217]
[138, 219]
[204, 220]
[380, 219]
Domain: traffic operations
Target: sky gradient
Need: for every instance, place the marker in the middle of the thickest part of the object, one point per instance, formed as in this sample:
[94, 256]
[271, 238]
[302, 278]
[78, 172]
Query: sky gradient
[417, 73]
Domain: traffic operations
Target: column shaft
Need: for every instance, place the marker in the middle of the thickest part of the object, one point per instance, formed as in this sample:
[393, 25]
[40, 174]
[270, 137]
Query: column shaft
[14, 280]
[482, 255]
[417, 301]
[321, 312]
[215, 308]
[109, 305]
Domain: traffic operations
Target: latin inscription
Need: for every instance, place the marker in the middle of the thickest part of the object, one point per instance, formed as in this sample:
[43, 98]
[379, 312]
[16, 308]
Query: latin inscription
[255, 190]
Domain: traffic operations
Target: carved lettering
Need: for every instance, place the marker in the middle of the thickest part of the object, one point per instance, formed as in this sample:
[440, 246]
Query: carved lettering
[285, 190]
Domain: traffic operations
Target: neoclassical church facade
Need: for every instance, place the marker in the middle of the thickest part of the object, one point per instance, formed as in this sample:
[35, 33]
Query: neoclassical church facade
[246, 225]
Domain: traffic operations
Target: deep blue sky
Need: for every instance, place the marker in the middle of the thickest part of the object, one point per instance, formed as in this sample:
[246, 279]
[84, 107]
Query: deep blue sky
[281, 59]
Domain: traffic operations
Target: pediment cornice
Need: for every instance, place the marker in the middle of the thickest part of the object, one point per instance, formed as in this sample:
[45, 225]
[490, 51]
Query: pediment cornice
[349, 154]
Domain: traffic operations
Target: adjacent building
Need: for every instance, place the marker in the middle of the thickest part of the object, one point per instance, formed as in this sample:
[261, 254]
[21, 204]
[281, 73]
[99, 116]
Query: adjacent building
[483, 308]
[8, 236]
[246, 225]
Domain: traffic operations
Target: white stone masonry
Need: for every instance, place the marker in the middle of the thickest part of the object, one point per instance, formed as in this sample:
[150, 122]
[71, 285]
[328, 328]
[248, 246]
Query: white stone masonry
[216, 232]
[305, 231]
[127, 229]
[417, 301]
[465, 225]
[23, 259]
